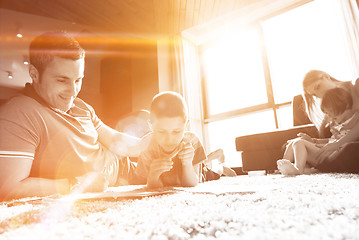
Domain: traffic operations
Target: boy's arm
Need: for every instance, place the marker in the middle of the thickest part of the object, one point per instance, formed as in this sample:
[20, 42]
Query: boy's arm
[189, 176]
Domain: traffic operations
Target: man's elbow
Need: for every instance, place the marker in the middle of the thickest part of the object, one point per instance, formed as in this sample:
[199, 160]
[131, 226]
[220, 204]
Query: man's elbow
[192, 184]
[189, 183]
[6, 192]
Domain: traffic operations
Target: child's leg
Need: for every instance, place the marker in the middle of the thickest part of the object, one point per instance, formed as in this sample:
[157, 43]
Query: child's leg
[285, 165]
[301, 149]
[289, 153]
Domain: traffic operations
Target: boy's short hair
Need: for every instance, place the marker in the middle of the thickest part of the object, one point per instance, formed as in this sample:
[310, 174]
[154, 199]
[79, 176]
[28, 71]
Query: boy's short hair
[336, 100]
[169, 104]
[53, 44]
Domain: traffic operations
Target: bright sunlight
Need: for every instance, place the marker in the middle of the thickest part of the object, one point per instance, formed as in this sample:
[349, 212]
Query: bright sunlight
[308, 37]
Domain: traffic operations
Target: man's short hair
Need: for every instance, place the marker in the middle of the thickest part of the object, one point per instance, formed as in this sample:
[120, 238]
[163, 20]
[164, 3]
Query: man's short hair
[53, 44]
[168, 104]
[337, 100]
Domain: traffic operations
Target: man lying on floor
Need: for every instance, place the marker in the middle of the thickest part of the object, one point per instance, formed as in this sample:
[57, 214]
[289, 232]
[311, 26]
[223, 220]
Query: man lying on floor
[50, 140]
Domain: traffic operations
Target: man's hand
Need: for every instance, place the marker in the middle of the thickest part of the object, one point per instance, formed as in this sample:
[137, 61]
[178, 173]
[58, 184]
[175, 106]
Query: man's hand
[186, 154]
[90, 182]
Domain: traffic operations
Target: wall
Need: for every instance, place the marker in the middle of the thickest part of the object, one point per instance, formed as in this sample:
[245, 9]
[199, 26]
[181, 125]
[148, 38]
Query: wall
[13, 50]
[129, 77]
[140, 54]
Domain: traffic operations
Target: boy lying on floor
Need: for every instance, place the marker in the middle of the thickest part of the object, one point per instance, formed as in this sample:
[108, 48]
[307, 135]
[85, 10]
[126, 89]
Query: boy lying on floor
[174, 157]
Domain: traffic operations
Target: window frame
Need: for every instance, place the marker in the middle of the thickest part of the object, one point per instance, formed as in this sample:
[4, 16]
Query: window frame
[270, 104]
[199, 36]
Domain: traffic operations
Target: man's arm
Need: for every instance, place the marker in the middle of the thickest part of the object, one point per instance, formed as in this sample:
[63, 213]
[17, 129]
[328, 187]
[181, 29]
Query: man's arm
[15, 181]
[119, 143]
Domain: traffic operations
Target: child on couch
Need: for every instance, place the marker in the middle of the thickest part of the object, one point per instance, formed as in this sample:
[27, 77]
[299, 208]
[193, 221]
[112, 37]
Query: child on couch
[337, 104]
[173, 156]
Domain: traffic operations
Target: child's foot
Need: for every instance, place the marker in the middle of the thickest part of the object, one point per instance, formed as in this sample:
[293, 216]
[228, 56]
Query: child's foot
[217, 167]
[217, 159]
[229, 172]
[218, 154]
[287, 168]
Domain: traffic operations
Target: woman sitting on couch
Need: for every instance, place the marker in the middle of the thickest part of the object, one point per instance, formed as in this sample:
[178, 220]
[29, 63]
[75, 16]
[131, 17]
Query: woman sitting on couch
[337, 104]
[331, 158]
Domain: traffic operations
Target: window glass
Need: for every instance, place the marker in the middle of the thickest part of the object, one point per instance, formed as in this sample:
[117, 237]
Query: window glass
[233, 72]
[309, 37]
[222, 134]
[285, 117]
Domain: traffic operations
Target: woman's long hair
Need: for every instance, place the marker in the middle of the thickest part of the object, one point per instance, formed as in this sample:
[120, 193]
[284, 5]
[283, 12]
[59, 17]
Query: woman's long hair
[312, 103]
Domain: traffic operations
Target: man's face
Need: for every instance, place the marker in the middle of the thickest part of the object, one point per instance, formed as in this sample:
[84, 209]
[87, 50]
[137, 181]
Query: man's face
[168, 132]
[60, 82]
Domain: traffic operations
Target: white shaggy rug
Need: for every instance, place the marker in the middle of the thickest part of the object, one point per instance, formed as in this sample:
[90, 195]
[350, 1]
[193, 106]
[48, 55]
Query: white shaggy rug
[319, 206]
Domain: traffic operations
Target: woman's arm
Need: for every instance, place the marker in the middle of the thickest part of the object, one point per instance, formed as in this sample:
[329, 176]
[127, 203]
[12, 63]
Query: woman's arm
[330, 150]
[313, 140]
[356, 87]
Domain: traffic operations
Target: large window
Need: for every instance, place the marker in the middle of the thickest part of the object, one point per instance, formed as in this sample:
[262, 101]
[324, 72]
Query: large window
[251, 75]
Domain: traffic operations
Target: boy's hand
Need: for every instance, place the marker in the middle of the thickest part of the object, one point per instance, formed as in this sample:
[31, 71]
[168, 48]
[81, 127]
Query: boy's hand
[186, 154]
[160, 166]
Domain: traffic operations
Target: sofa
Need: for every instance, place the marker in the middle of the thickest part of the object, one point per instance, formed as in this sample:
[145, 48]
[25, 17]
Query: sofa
[262, 150]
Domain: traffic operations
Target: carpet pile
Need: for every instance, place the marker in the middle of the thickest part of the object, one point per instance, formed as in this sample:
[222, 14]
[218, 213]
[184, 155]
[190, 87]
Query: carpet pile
[318, 206]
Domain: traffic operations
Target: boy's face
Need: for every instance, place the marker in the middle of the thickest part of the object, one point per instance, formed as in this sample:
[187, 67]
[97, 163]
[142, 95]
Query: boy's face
[168, 132]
